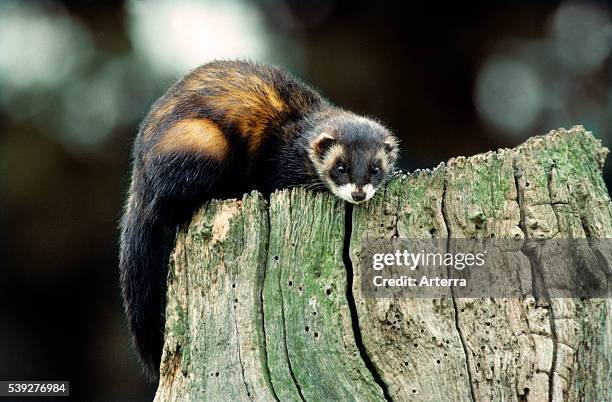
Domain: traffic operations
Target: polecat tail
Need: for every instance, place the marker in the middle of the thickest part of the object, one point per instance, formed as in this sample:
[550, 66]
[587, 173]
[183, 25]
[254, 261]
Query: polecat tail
[143, 266]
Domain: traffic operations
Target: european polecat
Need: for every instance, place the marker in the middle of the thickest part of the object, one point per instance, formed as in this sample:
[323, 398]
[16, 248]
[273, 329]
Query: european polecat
[227, 128]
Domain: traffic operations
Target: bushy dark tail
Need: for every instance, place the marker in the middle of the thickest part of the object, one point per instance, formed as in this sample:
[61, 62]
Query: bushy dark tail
[143, 266]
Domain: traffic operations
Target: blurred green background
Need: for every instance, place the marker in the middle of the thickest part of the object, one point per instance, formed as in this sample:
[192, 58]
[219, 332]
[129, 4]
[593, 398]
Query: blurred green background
[76, 79]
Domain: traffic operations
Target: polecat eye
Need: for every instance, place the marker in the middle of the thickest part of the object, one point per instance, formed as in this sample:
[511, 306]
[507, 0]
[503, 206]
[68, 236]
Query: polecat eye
[375, 170]
[341, 168]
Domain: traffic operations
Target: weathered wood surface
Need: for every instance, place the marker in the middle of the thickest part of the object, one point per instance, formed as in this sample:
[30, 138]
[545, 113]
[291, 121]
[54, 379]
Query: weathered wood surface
[260, 306]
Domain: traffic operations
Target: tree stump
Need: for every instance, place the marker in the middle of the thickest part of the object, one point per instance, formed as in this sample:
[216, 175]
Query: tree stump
[264, 302]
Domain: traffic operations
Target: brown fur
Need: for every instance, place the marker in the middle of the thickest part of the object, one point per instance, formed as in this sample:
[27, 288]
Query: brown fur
[194, 136]
[250, 104]
[246, 100]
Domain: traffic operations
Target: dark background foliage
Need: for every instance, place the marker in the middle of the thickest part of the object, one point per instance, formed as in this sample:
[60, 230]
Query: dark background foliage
[76, 79]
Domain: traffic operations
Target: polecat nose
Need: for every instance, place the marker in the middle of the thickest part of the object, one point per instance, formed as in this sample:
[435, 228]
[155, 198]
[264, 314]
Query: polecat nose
[358, 196]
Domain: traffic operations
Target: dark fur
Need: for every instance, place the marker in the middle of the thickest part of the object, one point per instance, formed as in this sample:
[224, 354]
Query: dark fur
[167, 187]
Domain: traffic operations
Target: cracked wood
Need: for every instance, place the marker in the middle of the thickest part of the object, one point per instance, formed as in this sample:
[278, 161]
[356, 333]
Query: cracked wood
[259, 308]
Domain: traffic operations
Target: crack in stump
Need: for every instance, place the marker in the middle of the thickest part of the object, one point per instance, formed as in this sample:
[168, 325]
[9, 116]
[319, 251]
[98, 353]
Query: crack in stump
[266, 366]
[350, 298]
[457, 325]
[536, 271]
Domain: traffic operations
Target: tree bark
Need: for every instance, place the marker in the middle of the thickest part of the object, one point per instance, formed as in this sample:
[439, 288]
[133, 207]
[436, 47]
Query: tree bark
[264, 302]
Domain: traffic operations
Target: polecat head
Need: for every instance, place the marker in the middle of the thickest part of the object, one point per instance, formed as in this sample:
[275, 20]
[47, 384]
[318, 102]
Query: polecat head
[352, 155]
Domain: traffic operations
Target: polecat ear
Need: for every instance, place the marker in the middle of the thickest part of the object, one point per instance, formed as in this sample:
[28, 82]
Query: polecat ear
[390, 144]
[322, 143]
